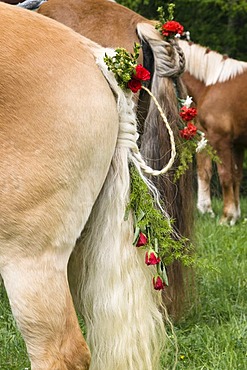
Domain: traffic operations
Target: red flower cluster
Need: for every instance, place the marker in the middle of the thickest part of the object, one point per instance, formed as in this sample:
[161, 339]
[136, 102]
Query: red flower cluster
[140, 74]
[171, 28]
[158, 283]
[151, 258]
[189, 131]
[142, 240]
[187, 114]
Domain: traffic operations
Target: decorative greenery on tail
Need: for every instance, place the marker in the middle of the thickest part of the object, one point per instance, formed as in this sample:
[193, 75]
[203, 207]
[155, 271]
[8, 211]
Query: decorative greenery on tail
[154, 232]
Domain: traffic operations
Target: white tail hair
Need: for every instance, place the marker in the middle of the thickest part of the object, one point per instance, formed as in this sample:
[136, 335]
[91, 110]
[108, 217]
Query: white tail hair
[125, 326]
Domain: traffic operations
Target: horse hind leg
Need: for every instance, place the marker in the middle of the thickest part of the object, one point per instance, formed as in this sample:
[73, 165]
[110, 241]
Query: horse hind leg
[226, 171]
[42, 306]
[204, 175]
[238, 155]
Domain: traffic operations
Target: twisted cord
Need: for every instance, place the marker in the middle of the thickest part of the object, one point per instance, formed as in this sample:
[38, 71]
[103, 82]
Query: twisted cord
[128, 136]
[137, 155]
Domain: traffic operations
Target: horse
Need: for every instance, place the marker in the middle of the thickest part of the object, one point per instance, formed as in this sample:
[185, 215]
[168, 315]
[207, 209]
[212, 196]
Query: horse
[218, 85]
[65, 135]
[113, 25]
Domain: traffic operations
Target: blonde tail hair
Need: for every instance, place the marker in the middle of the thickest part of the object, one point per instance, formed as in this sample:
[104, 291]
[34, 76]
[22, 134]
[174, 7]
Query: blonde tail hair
[112, 285]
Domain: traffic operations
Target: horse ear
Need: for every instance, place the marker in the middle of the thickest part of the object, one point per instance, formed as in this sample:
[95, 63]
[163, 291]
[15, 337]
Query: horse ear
[225, 56]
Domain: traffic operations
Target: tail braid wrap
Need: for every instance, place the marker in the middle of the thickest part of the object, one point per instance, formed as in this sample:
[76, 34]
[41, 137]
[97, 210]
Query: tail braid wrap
[128, 135]
[168, 56]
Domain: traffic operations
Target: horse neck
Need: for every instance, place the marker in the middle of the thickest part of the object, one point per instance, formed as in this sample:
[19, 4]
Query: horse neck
[194, 87]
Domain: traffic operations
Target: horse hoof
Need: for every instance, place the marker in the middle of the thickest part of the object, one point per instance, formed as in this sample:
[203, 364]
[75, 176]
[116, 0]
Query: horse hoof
[227, 221]
[223, 221]
[206, 211]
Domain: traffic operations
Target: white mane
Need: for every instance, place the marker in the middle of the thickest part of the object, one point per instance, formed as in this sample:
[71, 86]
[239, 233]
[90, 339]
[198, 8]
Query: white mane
[210, 67]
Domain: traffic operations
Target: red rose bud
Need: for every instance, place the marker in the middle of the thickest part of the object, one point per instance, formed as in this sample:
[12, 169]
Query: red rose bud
[134, 85]
[151, 258]
[171, 28]
[188, 132]
[187, 114]
[142, 240]
[158, 283]
[141, 73]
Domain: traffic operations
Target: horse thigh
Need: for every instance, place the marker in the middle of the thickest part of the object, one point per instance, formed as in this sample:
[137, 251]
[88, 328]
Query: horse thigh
[42, 306]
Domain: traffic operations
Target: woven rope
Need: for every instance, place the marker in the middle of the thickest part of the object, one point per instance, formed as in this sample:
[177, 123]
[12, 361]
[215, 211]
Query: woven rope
[137, 154]
[128, 136]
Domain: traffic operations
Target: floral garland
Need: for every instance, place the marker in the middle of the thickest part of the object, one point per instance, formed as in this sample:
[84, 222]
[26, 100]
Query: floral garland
[195, 140]
[154, 233]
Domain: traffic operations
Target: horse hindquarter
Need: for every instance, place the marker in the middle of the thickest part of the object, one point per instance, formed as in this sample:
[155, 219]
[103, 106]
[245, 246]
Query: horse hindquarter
[58, 131]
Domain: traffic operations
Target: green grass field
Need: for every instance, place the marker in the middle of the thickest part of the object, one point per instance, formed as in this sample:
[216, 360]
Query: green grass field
[213, 335]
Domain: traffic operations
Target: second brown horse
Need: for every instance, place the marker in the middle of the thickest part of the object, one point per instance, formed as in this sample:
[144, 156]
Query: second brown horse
[218, 85]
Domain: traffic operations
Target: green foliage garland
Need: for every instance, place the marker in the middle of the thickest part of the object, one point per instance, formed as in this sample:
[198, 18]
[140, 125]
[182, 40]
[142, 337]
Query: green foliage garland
[150, 220]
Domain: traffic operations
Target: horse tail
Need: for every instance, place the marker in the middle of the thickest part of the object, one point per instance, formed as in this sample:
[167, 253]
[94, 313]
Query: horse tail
[177, 197]
[125, 328]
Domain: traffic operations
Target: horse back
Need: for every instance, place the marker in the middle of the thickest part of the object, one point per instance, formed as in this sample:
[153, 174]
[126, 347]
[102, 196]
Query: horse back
[105, 22]
[225, 104]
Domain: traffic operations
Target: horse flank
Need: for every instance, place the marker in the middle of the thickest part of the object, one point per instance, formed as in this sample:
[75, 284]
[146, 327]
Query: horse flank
[209, 66]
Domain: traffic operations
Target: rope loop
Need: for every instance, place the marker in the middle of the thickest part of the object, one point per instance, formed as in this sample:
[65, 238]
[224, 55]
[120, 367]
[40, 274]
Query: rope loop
[128, 136]
[137, 155]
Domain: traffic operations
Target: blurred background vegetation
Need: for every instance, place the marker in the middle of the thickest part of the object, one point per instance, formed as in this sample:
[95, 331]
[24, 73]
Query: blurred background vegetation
[218, 24]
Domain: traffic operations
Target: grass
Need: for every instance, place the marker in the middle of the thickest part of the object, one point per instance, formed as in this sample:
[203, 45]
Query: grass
[13, 354]
[213, 336]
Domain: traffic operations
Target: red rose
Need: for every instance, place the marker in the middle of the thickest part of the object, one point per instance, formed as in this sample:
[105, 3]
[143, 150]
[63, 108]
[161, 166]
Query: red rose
[189, 131]
[158, 283]
[141, 73]
[134, 85]
[172, 28]
[142, 240]
[151, 258]
[187, 114]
